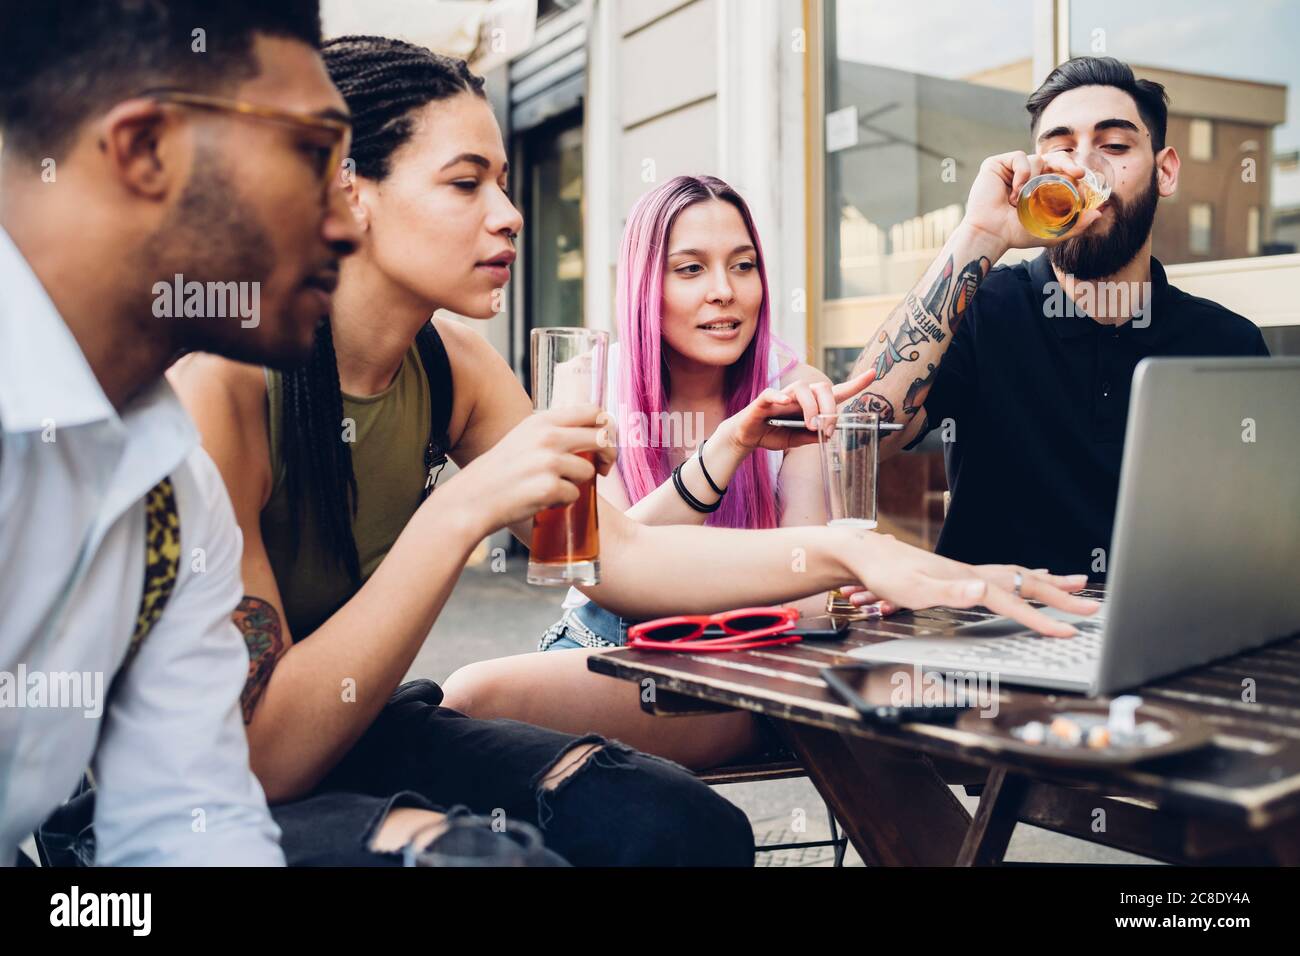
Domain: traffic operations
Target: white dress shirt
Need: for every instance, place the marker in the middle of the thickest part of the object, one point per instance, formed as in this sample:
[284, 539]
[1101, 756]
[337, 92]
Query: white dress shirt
[169, 752]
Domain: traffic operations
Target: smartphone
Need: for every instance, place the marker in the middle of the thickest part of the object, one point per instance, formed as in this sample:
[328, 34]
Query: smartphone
[885, 693]
[798, 423]
[823, 628]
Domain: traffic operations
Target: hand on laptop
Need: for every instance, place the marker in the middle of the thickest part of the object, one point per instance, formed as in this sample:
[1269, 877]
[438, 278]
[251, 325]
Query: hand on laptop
[903, 576]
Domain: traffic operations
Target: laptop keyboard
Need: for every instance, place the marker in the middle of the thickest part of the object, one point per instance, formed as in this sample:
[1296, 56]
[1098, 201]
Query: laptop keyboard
[1031, 651]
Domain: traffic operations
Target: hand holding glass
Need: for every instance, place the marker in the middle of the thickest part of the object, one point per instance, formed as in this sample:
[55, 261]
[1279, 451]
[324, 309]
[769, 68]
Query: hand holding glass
[1051, 203]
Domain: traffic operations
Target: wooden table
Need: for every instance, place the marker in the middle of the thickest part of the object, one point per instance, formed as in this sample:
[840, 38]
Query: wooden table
[1236, 801]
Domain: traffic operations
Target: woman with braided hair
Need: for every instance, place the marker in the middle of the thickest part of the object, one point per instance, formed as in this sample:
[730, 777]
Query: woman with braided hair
[351, 548]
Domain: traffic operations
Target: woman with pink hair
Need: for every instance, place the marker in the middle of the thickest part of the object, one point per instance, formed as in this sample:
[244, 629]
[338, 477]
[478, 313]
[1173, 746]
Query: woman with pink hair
[696, 343]
[692, 381]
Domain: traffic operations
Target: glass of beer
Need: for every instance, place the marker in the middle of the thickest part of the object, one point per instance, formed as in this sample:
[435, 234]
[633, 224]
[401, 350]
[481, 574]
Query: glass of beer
[568, 369]
[850, 446]
[1050, 204]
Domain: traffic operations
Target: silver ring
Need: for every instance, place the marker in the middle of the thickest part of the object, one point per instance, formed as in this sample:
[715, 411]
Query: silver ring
[1020, 579]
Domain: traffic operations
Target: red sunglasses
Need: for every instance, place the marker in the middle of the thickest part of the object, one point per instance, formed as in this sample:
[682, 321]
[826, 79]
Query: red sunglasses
[745, 628]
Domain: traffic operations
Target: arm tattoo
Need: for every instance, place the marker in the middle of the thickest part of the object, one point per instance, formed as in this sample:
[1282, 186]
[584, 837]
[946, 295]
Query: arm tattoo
[904, 338]
[920, 323]
[938, 294]
[259, 623]
[918, 320]
[972, 274]
[918, 390]
[871, 402]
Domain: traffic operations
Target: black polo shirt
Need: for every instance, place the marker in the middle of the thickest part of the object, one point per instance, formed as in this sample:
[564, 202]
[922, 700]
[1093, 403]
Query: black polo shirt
[1038, 407]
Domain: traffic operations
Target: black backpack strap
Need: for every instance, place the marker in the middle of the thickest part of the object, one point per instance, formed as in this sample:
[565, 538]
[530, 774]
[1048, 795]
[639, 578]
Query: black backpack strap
[67, 837]
[437, 369]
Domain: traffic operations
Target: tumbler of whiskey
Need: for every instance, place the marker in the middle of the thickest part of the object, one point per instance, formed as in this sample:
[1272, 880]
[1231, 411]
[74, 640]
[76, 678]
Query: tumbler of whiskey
[1050, 203]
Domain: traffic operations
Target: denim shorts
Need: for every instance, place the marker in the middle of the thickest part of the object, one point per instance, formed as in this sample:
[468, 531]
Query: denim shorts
[588, 625]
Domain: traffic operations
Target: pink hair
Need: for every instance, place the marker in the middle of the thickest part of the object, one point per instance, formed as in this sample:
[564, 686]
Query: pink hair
[644, 384]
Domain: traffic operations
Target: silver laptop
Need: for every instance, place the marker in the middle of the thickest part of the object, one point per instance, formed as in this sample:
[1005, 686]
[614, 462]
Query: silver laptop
[1205, 554]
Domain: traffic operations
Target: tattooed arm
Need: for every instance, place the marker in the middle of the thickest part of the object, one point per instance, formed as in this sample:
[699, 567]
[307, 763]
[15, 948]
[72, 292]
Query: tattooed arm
[259, 623]
[907, 349]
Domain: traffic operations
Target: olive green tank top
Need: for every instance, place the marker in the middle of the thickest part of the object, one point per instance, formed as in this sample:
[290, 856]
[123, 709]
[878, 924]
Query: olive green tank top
[389, 435]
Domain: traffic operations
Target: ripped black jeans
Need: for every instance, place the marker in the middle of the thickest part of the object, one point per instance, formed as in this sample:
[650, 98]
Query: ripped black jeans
[619, 808]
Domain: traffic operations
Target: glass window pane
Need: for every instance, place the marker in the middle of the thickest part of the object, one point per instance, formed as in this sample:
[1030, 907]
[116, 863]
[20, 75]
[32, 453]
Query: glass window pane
[917, 96]
[554, 239]
[1232, 64]
[1201, 139]
[1200, 227]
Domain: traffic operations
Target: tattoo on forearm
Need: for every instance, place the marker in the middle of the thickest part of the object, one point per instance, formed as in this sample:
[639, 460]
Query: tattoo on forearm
[259, 623]
[938, 293]
[918, 390]
[915, 322]
[872, 402]
[968, 280]
[930, 326]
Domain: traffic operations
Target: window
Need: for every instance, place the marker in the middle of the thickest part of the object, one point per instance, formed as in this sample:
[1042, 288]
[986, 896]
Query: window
[1200, 220]
[912, 99]
[916, 97]
[1200, 137]
[1234, 67]
[553, 207]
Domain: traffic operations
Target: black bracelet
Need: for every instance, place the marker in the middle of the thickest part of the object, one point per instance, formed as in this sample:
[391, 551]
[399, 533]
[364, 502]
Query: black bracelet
[689, 498]
[707, 477]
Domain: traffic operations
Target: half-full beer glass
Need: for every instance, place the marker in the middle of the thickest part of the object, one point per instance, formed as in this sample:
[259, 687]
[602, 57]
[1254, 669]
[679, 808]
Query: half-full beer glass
[850, 445]
[568, 369]
[1050, 204]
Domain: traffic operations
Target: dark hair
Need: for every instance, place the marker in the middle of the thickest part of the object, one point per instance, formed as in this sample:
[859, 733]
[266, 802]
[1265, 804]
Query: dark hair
[384, 82]
[62, 61]
[1150, 97]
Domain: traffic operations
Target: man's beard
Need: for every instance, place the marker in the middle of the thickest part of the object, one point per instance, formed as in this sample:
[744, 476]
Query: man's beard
[1095, 255]
[211, 235]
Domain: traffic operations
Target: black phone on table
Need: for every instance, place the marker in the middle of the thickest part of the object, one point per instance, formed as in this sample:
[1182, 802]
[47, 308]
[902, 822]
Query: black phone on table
[894, 693]
[821, 628]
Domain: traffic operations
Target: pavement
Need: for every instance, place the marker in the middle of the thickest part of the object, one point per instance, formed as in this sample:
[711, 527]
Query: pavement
[496, 613]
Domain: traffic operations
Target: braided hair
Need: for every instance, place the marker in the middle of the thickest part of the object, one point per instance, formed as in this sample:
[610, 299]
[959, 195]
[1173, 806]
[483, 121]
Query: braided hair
[384, 82]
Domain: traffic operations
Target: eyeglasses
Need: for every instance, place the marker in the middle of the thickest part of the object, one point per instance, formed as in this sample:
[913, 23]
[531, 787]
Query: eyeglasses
[339, 131]
[743, 629]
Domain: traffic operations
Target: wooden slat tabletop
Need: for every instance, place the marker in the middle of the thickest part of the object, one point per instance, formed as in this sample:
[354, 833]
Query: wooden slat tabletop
[1249, 775]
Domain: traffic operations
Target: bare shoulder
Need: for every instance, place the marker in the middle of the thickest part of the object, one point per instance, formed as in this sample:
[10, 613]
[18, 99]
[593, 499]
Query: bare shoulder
[464, 344]
[227, 401]
[208, 383]
[477, 371]
[803, 373]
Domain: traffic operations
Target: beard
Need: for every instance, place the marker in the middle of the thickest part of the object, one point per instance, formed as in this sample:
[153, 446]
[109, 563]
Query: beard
[1095, 255]
[211, 235]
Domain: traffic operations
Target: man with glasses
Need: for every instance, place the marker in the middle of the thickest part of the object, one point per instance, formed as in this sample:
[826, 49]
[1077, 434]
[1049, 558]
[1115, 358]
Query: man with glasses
[146, 146]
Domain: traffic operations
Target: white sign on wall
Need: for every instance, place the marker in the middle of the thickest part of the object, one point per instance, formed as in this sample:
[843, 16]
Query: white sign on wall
[841, 129]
